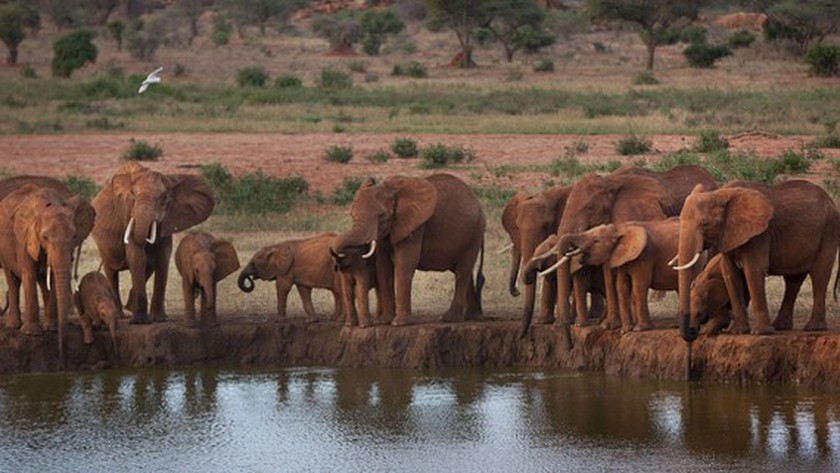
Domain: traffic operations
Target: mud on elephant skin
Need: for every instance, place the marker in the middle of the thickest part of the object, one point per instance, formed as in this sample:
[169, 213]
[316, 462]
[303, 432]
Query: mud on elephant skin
[138, 211]
[98, 306]
[40, 229]
[429, 224]
[304, 263]
[790, 229]
[202, 262]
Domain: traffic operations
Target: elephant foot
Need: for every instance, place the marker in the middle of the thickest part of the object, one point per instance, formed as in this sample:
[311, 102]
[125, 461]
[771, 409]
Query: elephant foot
[12, 322]
[583, 323]
[739, 329]
[815, 325]
[140, 319]
[783, 324]
[545, 320]
[400, 321]
[764, 329]
[88, 338]
[311, 320]
[452, 316]
[31, 328]
[610, 324]
[50, 326]
[190, 322]
[643, 327]
[158, 317]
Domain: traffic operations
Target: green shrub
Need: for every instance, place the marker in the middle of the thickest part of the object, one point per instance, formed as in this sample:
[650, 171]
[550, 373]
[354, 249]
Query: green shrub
[83, 186]
[439, 155]
[791, 162]
[28, 72]
[632, 145]
[824, 60]
[222, 30]
[532, 40]
[569, 166]
[831, 140]
[141, 42]
[72, 51]
[338, 154]
[710, 140]
[253, 194]
[678, 158]
[341, 29]
[577, 147]
[378, 156]
[287, 81]
[493, 197]
[346, 191]
[544, 65]
[693, 34]
[335, 79]
[356, 66]
[376, 26]
[644, 78]
[140, 150]
[404, 148]
[411, 69]
[740, 39]
[254, 76]
[115, 29]
[704, 55]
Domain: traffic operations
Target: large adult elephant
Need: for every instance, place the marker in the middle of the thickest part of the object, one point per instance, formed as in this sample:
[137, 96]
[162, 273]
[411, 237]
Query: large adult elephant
[40, 227]
[434, 223]
[790, 229]
[138, 211]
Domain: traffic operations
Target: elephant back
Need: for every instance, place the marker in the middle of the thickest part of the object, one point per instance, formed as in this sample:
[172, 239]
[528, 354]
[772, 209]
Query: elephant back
[7, 186]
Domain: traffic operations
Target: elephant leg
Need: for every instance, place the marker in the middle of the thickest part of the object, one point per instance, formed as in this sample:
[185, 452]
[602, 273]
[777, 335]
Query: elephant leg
[563, 309]
[157, 311]
[336, 313]
[30, 298]
[548, 296]
[189, 303]
[283, 286]
[579, 288]
[612, 321]
[13, 283]
[347, 300]
[597, 307]
[735, 289]
[406, 258]
[306, 297]
[457, 309]
[137, 299]
[641, 311]
[784, 319]
[756, 285]
[385, 295]
[819, 288]
[363, 302]
[113, 278]
[208, 307]
[623, 288]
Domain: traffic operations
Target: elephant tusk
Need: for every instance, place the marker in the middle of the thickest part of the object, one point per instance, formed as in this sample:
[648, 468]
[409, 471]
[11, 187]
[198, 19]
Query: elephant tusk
[689, 264]
[128, 230]
[506, 248]
[543, 256]
[151, 240]
[673, 260]
[574, 252]
[48, 281]
[370, 252]
[553, 267]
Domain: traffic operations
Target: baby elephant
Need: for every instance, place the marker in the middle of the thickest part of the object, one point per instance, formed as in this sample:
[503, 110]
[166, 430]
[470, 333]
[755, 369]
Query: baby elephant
[304, 263]
[357, 275]
[203, 261]
[97, 304]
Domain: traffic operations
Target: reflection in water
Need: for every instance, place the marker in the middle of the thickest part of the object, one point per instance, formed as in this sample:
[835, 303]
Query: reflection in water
[399, 420]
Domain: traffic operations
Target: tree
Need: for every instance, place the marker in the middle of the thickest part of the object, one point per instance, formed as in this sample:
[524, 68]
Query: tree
[802, 21]
[376, 25]
[654, 18]
[462, 17]
[73, 51]
[341, 29]
[515, 24]
[191, 10]
[116, 28]
[15, 18]
[262, 12]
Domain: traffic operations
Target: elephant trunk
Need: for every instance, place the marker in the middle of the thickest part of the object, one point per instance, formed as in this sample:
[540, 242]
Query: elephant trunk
[690, 245]
[360, 234]
[528, 308]
[143, 230]
[60, 266]
[513, 276]
[246, 278]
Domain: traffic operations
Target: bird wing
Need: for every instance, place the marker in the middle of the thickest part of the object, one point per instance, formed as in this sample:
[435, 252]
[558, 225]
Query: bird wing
[155, 75]
[143, 87]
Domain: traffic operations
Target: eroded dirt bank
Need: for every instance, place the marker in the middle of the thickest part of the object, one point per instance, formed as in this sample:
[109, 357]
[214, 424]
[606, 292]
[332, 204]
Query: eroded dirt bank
[795, 357]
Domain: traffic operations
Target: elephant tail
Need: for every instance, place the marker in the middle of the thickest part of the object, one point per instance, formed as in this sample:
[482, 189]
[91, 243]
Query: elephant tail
[836, 277]
[479, 278]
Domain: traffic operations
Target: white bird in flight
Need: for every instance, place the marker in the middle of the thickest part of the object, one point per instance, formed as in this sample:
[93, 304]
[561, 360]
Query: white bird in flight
[152, 78]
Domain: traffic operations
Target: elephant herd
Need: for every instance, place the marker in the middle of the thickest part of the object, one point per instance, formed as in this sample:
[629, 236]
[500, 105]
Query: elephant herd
[597, 246]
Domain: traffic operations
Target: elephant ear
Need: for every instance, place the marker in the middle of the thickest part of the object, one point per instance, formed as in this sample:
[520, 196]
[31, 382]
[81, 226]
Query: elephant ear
[278, 261]
[227, 260]
[26, 228]
[638, 198]
[748, 213]
[416, 199]
[557, 197]
[84, 216]
[632, 240]
[509, 214]
[192, 202]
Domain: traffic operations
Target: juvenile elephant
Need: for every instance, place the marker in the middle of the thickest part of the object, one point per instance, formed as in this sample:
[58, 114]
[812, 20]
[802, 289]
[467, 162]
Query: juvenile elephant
[203, 261]
[432, 224]
[304, 263]
[638, 252]
[98, 305]
[40, 227]
[790, 229]
[357, 273]
[138, 211]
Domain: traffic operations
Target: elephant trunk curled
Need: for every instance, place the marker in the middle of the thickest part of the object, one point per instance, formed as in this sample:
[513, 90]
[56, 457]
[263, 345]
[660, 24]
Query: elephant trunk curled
[246, 279]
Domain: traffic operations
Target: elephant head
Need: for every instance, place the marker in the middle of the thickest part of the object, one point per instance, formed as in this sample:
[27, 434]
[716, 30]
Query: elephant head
[387, 212]
[724, 219]
[209, 267]
[48, 226]
[267, 264]
[96, 302]
[611, 244]
[709, 298]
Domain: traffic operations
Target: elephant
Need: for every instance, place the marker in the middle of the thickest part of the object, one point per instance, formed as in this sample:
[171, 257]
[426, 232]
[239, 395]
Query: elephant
[304, 263]
[40, 228]
[357, 273]
[138, 211]
[432, 224]
[97, 305]
[629, 194]
[202, 262]
[639, 253]
[789, 229]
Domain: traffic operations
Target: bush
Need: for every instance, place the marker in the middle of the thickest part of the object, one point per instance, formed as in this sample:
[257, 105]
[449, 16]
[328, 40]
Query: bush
[115, 29]
[709, 141]
[645, 78]
[72, 51]
[740, 39]
[254, 76]
[824, 60]
[28, 72]
[693, 34]
[376, 26]
[632, 145]
[569, 166]
[335, 79]
[141, 41]
[378, 156]
[439, 155]
[791, 162]
[287, 81]
[338, 154]
[404, 148]
[410, 69]
[222, 30]
[140, 150]
[705, 55]
[341, 29]
[346, 191]
[831, 140]
[253, 194]
[533, 40]
[83, 186]
[357, 66]
[544, 65]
